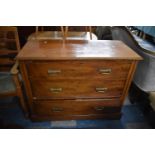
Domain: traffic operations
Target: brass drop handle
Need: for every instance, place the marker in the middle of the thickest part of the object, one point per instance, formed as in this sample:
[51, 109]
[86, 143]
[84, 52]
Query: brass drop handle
[105, 71]
[56, 90]
[101, 90]
[99, 108]
[53, 72]
[57, 109]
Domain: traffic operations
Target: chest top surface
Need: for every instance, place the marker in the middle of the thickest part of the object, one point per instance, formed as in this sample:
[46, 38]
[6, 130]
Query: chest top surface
[76, 49]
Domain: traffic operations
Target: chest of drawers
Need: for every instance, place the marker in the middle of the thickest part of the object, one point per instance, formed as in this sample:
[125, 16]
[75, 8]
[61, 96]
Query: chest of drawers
[76, 79]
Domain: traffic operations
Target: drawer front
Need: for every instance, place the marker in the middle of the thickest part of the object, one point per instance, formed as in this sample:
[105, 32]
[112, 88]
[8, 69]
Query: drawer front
[75, 117]
[71, 89]
[75, 107]
[75, 69]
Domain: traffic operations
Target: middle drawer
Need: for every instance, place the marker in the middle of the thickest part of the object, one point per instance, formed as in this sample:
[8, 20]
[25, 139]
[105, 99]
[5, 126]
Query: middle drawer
[71, 89]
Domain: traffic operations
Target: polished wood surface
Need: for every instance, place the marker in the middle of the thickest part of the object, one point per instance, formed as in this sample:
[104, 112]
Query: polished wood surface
[45, 34]
[83, 69]
[65, 30]
[76, 49]
[76, 79]
[72, 89]
[60, 35]
[76, 107]
[76, 117]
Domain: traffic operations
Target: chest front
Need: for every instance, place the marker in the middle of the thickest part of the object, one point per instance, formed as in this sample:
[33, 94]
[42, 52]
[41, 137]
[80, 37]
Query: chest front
[76, 83]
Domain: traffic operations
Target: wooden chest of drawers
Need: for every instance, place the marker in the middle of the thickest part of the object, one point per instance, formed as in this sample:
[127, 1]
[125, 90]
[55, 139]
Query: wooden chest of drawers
[76, 79]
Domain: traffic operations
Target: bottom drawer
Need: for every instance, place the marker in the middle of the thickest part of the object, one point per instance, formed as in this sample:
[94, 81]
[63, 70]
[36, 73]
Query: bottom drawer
[76, 117]
[76, 107]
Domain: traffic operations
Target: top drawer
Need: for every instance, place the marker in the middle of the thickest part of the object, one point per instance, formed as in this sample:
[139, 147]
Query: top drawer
[79, 69]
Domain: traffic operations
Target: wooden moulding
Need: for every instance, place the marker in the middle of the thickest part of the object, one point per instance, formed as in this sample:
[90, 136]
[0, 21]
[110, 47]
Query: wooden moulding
[129, 80]
[26, 85]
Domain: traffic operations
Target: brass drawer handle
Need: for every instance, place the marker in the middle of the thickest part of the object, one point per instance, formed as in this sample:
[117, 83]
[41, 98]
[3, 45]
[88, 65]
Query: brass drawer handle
[101, 90]
[53, 72]
[57, 109]
[105, 71]
[56, 90]
[99, 108]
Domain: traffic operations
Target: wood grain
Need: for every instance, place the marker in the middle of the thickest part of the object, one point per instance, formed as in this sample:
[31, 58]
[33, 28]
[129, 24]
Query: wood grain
[41, 89]
[76, 79]
[79, 69]
[76, 117]
[76, 107]
[76, 49]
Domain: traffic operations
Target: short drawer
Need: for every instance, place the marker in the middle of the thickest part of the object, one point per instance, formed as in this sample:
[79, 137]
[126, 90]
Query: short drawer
[106, 69]
[71, 89]
[76, 107]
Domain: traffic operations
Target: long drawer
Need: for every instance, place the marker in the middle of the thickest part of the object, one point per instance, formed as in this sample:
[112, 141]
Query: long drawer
[107, 69]
[70, 89]
[76, 107]
[76, 117]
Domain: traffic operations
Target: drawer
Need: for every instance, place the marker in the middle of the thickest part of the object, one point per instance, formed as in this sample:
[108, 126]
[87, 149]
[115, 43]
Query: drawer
[71, 89]
[76, 107]
[106, 69]
[75, 117]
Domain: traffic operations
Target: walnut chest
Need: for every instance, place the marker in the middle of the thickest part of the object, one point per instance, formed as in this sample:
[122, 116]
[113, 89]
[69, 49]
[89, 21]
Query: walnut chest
[76, 79]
